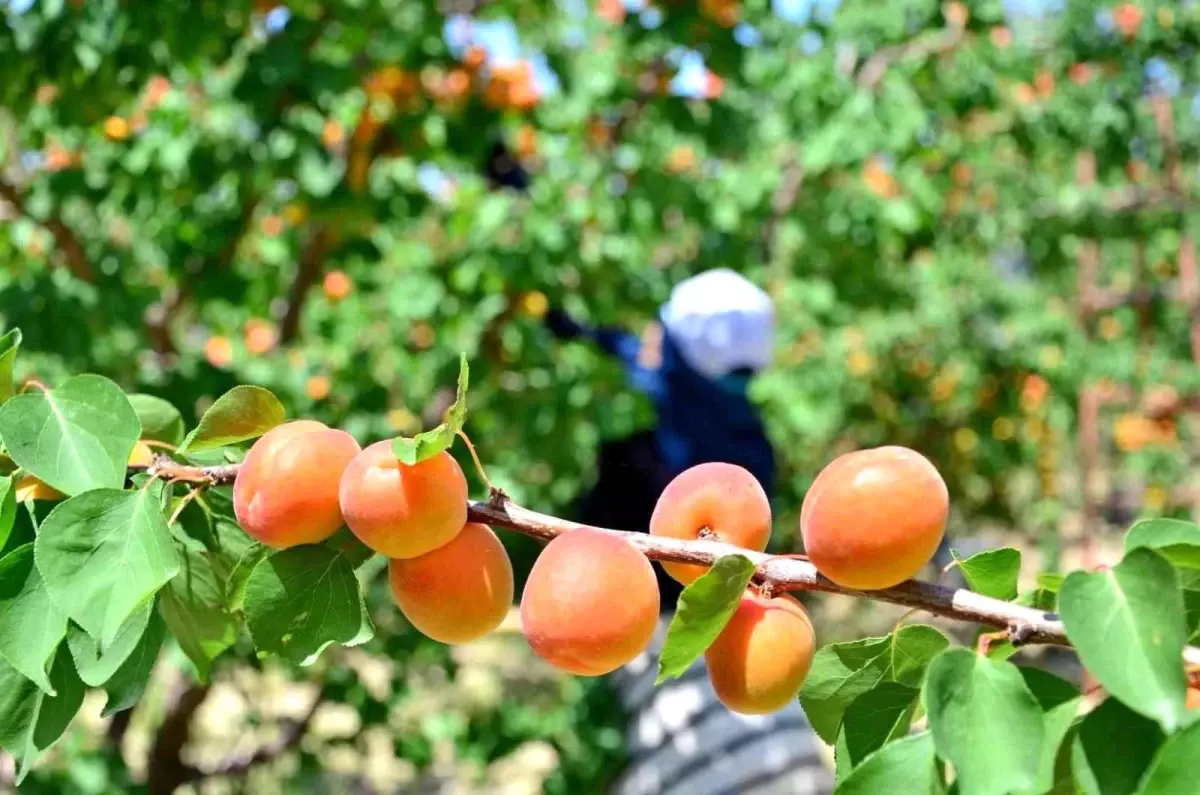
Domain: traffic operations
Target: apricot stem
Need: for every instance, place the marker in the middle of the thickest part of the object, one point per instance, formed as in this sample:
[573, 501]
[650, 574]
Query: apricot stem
[1024, 625]
[191, 495]
[478, 466]
[33, 382]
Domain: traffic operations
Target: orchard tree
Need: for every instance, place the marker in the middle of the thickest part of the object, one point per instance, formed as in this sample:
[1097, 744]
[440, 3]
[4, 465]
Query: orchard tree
[132, 554]
[976, 228]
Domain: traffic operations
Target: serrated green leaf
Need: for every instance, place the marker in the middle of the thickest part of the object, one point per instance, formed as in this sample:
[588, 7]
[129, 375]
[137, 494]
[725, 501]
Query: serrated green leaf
[30, 720]
[194, 606]
[992, 573]
[428, 444]
[910, 760]
[1128, 625]
[103, 554]
[1112, 749]
[1173, 770]
[96, 667]
[301, 600]
[126, 685]
[1175, 540]
[705, 607]
[877, 717]
[1056, 722]
[1060, 702]
[31, 625]
[76, 438]
[984, 721]
[841, 672]
[244, 412]
[1050, 691]
[10, 343]
[160, 420]
[8, 509]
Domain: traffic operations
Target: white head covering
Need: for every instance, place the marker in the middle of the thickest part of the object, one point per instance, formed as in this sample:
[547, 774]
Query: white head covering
[720, 322]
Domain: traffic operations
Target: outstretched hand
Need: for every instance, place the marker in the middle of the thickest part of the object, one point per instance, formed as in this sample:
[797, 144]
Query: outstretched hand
[562, 325]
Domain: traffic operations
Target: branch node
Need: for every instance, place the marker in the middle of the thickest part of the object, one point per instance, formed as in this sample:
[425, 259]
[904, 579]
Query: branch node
[497, 498]
[1020, 633]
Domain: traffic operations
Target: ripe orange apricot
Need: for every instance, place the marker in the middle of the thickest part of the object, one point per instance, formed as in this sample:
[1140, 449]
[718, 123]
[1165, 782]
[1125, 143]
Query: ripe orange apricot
[759, 661]
[724, 499]
[399, 510]
[458, 592]
[286, 490]
[1193, 698]
[141, 455]
[874, 517]
[337, 285]
[31, 488]
[590, 603]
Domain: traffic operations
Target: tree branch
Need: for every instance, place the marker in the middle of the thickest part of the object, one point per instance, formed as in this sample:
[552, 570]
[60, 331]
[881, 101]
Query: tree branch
[72, 250]
[311, 262]
[1024, 624]
[241, 764]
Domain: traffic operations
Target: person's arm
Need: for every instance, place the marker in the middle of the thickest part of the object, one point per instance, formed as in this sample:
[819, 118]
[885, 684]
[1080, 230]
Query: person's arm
[616, 342]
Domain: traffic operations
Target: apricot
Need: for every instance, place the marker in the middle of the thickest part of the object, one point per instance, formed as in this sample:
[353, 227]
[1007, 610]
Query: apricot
[399, 510]
[1193, 698]
[286, 490]
[30, 488]
[141, 455]
[590, 603]
[759, 661]
[724, 499]
[874, 517]
[458, 592]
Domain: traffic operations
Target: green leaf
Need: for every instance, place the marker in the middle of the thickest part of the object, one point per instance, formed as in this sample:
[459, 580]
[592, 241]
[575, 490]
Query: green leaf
[8, 509]
[194, 607]
[877, 717]
[428, 444]
[77, 437]
[31, 625]
[1060, 702]
[1128, 626]
[302, 599]
[1174, 771]
[910, 760]
[705, 607]
[103, 554]
[1112, 749]
[993, 573]
[1049, 690]
[1056, 722]
[30, 720]
[96, 667]
[160, 420]
[841, 672]
[984, 721]
[244, 412]
[126, 685]
[9, 344]
[1175, 540]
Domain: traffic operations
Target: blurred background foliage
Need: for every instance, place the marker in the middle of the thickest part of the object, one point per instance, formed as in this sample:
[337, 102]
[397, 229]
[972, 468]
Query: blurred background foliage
[977, 220]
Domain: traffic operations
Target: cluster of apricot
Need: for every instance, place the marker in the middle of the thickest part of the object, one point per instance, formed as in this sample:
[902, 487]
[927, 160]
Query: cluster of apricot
[591, 603]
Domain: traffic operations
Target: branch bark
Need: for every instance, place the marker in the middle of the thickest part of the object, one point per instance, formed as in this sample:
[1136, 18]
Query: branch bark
[1024, 625]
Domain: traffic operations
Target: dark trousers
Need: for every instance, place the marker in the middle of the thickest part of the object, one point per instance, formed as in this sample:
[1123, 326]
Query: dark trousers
[631, 476]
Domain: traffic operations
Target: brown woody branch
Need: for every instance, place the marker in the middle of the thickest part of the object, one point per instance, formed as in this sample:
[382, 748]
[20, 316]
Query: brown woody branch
[72, 250]
[1024, 625]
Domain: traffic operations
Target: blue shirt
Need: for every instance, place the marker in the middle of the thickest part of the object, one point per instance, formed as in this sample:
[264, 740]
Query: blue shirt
[699, 420]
